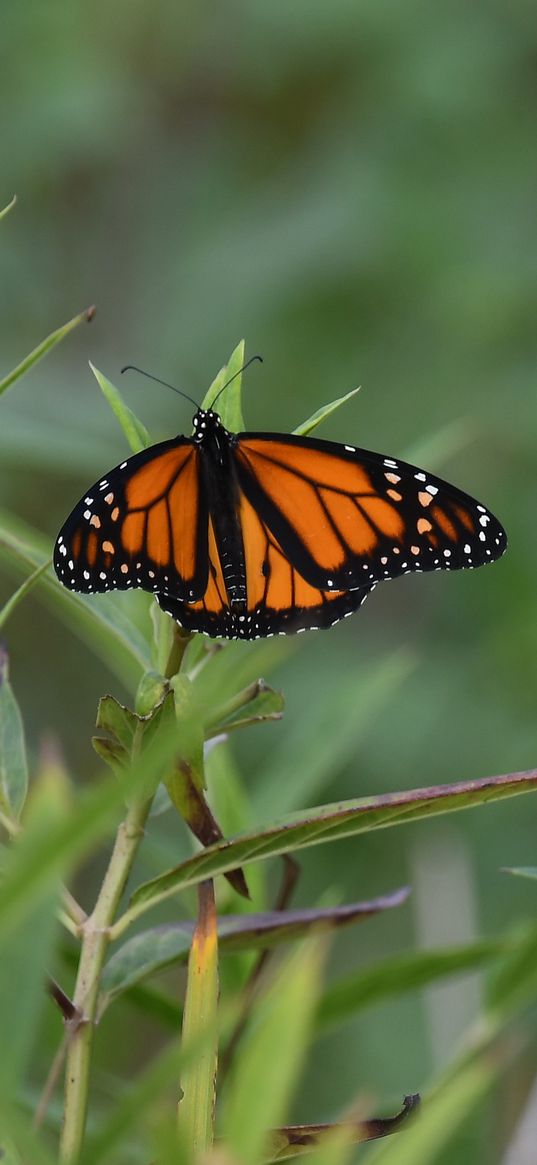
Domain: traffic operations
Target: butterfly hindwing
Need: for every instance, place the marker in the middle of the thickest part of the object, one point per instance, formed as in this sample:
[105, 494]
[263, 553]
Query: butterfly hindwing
[278, 599]
[143, 525]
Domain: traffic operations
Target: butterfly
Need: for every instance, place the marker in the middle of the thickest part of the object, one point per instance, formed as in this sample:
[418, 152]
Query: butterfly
[247, 535]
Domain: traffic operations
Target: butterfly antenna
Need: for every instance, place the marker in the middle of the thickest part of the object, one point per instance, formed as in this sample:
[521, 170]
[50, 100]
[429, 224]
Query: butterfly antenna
[134, 368]
[235, 374]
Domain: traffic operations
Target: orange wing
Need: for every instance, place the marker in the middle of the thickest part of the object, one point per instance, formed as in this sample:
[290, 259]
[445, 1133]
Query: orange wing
[279, 601]
[346, 517]
[143, 525]
[321, 525]
[277, 534]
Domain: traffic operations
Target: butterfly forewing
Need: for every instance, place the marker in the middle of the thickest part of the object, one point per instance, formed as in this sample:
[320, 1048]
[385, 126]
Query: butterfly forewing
[344, 516]
[143, 525]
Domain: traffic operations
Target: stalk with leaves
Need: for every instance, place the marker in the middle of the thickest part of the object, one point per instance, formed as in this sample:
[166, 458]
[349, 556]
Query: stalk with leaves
[221, 1088]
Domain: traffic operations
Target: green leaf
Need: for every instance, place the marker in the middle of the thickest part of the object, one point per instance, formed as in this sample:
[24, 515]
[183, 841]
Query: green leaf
[409, 971]
[72, 836]
[134, 1106]
[198, 1082]
[128, 735]
[13, 763]
[104, 625]
[327, 823]
[135, 432]
[326, 735]
[22, 591]
[160, 946]
[514, 984]
[272, 1053]
[321, 414]
[255, 704]
[44, 347]
[26, 946]
[9, 207]
[229, 404]
[521, 871]
[20, 1141]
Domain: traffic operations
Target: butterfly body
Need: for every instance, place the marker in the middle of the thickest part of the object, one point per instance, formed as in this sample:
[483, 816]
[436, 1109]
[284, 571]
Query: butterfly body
[253, 534]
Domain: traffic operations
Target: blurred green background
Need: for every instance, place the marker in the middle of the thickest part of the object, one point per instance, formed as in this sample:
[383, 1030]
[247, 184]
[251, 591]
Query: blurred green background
[352, 187]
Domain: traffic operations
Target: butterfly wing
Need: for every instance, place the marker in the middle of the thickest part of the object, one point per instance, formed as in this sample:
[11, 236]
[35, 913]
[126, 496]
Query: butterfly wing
[279, 601]
[346, 518]
[143, 525]
[314, 527]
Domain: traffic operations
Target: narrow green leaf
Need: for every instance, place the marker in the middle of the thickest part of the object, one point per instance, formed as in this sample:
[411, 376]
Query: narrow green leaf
[272, 1053]
[20, 1141]
[255, 704]
[229, 404]
[160, 946]
[103, 625]
[328, 823]
[521, 871]
[409, 971]
[145, 1100]
[44, 347]
[135, 432]
[9, 207]
[135, 1105]
[326, 735]
[514, 984]
[22, 591]
[26, 947]
[321, 414]
[13, 762]
[198, 1081]
[71, 837]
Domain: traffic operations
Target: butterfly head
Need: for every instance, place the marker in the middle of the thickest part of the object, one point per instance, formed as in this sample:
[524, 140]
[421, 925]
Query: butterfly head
[206, 423]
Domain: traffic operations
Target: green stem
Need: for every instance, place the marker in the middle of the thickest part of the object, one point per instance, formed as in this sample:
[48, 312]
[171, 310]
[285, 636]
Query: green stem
[197, 1108]
[95, 939]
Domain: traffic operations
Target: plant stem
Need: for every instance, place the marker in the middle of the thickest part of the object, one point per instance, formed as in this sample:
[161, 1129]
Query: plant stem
[197, 1107]
[95, 938]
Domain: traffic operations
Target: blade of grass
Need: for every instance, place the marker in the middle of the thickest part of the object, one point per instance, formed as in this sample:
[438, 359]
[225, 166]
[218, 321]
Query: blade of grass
[44, 347]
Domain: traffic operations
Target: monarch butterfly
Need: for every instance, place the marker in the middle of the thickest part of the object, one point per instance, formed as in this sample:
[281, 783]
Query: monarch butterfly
[247, 535]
